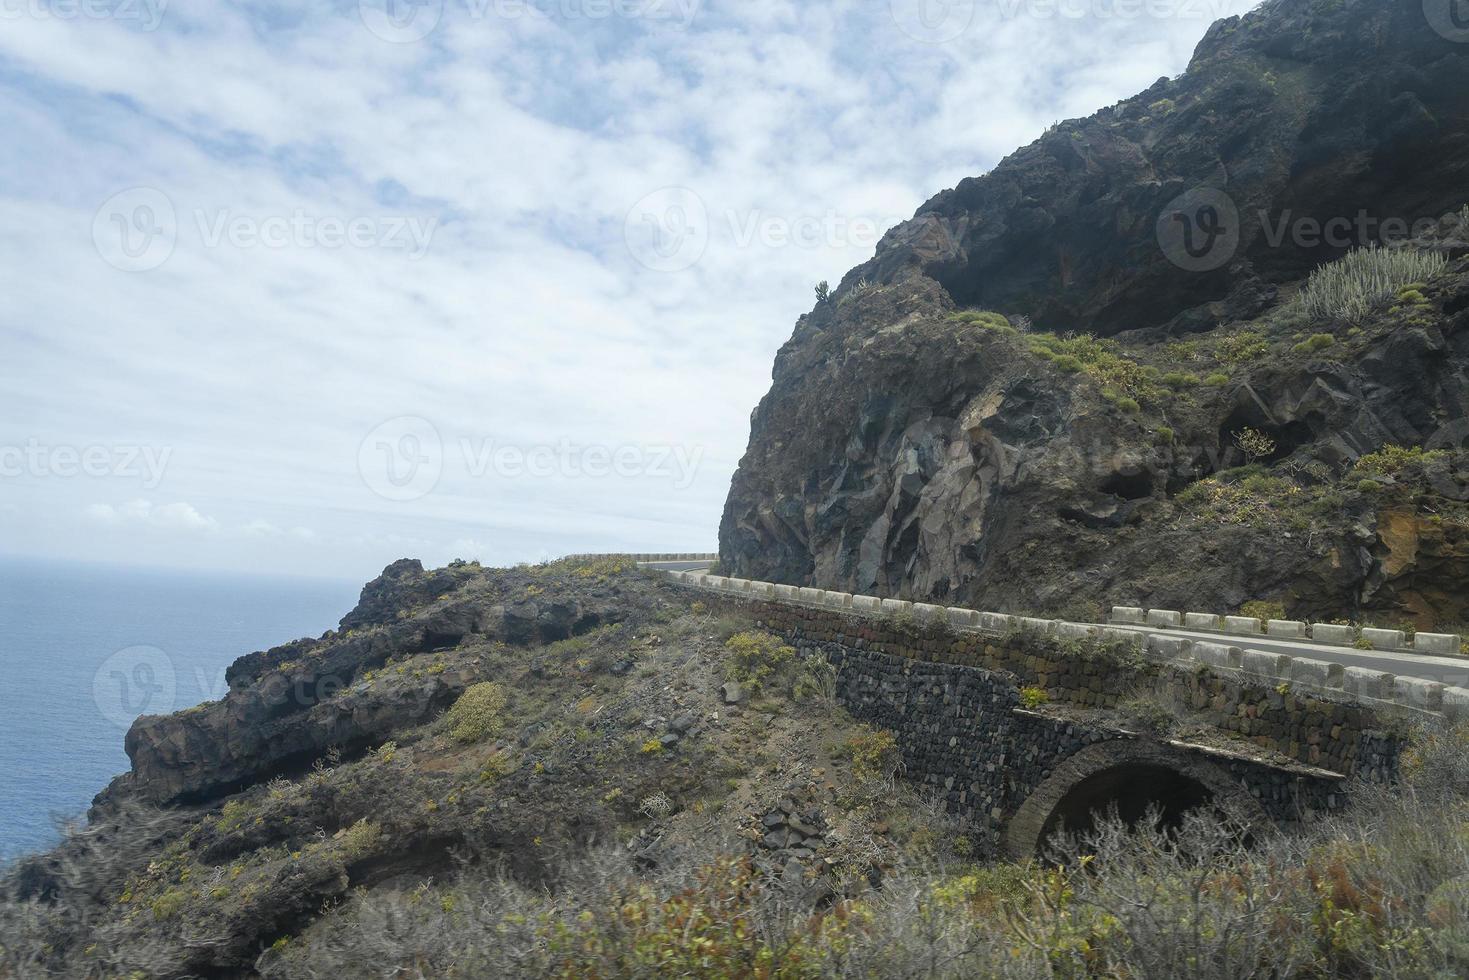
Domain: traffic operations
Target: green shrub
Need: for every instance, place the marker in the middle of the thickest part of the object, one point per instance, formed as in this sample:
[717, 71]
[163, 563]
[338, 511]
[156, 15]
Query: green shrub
[1179, 380]
[1392, 459]
[874, 753]
[1069, 364]
[1163, 435]
[1129, 405]
[1363, 279]
[1247, 345]
[1217, 380]
[167, 905]
[754, 657]
[1313, 343]
[984, 319]
[1033, 697]
[1263, 609]
[478, 712]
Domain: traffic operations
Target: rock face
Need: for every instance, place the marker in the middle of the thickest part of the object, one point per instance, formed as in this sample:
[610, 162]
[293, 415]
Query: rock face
[1301, 107]
[903, 450]
[289, 705]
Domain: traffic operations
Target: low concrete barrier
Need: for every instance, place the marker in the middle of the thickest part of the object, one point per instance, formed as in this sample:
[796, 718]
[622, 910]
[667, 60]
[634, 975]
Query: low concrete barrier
[1128, 615]
[839, 600]
[896, 607]
[926, 612]
[995, 622]
[867, 603]
[1201, 621]
[1266, 664]
[1245, 625]
[1367, 683]
[1337, 635]
[816, 597]
[1218, 655]
[1075, 631]
[1316, 672]
[1164, 618]
[1384, 639]
[1419, 693]
[1438, 644]
[788, 592]
[963, 617]
[1287, 628]
[1168, 647]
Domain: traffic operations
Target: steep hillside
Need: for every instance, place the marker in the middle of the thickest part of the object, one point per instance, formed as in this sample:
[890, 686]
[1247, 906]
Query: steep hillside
[468, 725]
[1033, 397]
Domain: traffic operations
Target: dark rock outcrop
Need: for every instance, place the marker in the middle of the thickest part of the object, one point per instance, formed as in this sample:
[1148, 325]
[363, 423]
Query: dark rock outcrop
[903, 451]
[290, 705]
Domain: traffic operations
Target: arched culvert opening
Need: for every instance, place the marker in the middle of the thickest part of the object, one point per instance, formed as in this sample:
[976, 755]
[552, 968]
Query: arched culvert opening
[1134, 776]
[1135, 790]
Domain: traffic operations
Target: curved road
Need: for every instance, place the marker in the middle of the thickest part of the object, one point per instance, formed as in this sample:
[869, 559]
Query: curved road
[1453, 671]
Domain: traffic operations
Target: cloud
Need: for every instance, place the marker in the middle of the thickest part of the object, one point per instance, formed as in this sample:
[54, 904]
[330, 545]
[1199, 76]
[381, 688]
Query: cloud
[177, 516]
[276, 310]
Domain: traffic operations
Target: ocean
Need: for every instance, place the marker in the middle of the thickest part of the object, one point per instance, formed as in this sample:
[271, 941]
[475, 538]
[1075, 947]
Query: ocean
[86, 648]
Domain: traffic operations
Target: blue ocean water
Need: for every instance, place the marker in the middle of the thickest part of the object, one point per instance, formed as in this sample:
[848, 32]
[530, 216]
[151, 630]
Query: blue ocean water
[86, 648]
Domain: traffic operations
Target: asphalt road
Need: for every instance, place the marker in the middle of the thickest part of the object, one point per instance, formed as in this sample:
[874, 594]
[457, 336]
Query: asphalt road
[1447, 670]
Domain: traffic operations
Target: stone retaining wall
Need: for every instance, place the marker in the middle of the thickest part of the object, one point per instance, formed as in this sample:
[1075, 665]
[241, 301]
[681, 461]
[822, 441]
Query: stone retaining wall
[1340, 735]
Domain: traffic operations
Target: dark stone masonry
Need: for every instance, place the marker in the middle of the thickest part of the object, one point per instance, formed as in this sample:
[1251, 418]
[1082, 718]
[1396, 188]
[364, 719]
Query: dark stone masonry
[953, 701]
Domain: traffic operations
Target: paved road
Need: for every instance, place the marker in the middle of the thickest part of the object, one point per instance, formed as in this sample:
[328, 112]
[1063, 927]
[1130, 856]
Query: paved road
[1447, 670]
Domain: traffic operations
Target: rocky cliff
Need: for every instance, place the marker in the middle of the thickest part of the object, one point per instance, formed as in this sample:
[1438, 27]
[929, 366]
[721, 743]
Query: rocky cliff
[1034, 395]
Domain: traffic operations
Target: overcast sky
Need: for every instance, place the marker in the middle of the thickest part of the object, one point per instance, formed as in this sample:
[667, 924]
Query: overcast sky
[312, 287]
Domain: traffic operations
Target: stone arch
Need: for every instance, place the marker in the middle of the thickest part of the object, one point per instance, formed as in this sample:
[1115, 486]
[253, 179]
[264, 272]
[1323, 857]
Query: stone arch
[1133, 774]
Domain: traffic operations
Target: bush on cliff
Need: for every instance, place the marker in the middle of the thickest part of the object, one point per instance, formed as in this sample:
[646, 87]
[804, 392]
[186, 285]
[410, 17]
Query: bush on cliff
[478, 713]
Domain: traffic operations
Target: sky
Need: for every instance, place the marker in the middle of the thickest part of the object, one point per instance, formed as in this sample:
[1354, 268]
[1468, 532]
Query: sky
[308, 288]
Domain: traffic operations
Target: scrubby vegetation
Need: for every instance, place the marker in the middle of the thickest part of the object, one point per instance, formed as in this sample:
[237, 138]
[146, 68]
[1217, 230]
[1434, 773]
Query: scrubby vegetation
[1363, 280]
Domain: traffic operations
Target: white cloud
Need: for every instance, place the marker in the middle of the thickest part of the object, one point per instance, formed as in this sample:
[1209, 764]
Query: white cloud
[178, 516]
